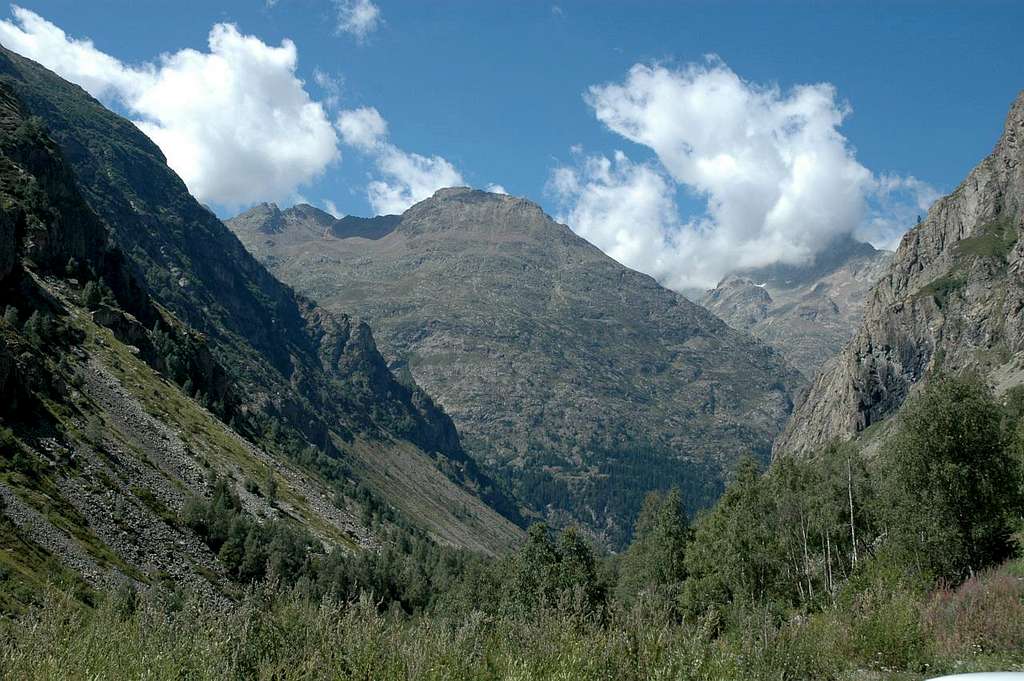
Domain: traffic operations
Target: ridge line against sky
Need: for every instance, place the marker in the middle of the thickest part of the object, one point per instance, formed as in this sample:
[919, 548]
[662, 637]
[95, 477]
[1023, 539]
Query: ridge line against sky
[699, 170]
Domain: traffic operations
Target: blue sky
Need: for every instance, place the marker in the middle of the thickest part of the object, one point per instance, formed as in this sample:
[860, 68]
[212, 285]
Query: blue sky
[497, 89]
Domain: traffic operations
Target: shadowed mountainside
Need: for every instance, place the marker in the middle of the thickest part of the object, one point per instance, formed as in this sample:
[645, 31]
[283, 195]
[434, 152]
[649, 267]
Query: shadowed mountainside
[197, 336]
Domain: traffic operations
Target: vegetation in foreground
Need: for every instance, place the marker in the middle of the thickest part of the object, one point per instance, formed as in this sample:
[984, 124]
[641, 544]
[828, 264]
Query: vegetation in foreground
[837, 568]
[278, 635]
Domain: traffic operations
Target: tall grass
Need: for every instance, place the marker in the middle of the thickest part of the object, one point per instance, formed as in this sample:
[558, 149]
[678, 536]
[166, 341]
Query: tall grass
[984, 615]
[288, 636]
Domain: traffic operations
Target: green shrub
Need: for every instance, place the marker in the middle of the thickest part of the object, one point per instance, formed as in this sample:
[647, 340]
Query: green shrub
[92, 296]
[26, 464]
[7, 440]
[251, 486]
[886, 632]
[269, 487]
[952, 482]
[42, 329]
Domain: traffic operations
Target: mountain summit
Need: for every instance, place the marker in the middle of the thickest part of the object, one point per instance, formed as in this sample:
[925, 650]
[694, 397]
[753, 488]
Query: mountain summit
[951, 300]
[578, 382]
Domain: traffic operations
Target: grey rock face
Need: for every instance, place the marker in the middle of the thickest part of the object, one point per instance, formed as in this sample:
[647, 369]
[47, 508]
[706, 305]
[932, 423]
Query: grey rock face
[36, 175]
[579, 383]
[951, 300]
[739, 301]
[806, 312]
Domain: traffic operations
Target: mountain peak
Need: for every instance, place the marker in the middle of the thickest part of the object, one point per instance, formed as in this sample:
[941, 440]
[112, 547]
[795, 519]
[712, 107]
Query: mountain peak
[472, 195]
[807, 312]
[576, 379]
[266, 218]
[474, 211]
[454, 192]
[841, 250]
[1011, 142]
[303, 212]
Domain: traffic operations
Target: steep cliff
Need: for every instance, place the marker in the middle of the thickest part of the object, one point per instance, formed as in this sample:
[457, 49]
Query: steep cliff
[951, 300]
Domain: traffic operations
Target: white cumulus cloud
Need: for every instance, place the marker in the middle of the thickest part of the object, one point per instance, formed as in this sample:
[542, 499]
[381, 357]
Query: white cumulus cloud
[628, 210]
[77, 60]
[235, 123]
[408, 178]
[363, 128]
[405, 177]
[359, 18]
[778, 179]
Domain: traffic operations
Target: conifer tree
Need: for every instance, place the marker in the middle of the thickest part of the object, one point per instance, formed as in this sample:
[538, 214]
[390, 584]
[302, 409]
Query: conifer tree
[655, 563]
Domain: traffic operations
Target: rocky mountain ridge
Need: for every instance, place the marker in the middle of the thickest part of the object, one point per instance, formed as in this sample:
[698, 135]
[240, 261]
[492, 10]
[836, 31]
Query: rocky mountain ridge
[951, 300]
[806, 312]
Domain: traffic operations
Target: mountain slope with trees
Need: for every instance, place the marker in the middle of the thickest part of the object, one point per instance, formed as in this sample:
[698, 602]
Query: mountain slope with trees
[146, 360]
[861, 568]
